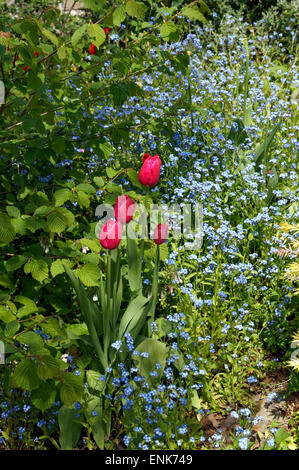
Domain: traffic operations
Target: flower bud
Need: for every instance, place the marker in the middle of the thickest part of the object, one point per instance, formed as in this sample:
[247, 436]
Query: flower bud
[160, 234]
[110, 235]
[124, 209]
[150, 171]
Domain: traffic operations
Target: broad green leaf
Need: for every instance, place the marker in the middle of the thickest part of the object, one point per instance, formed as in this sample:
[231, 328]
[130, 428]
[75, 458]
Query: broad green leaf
[86, 187]
[71, 388]
[70, 428]
[44, 396]
[39, 269]
[33, 340]
[193, 13]
[25, 375]
[49, 366]
[6, 314]
[89, 274]
[93, 379]
[119, 15]
[7, 231]
[83, 199]
[260, 151]
[61, 196]
[133, 176]
[78, 35]
[15, 262]
[157, 352]
[132, 8]
[56, 222]
[97, 33]
[11, 328]
[169, 31]
[49, 35]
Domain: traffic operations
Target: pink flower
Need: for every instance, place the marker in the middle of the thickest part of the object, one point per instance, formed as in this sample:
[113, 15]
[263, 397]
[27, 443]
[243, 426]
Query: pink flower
[160, 234]
[150, 171]
[124, 209]
[110, 235]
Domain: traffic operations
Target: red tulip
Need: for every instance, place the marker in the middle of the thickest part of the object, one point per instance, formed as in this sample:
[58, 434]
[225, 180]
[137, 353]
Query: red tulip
[26, 68]
[160, 234]
[110, 235]
[150, 171]
[124, 209]
[92, 49]
[107, 30]
[36, 54]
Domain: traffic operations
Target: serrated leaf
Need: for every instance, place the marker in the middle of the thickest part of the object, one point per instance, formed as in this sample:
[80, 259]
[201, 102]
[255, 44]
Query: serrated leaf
[193, 13]
[39, 269]
[61, 196]
[6, 314]
[7, 231]
[119, 15]
[56, 222]
[133, 176]
[49, 367]
[83, 199]
[25, 375]
[49, 35]
[97, 33]
[15, 262]
[132, 8]
[93, 245]
[13, 211]
[33, 340]
[71, 388]
[89, 274]
[44, 396]
[169, 31]
[93, 380]
[78, 34]
[86, 187]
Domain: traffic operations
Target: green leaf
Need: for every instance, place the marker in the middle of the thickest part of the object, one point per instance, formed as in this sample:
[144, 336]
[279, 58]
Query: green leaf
[157, 355]
[7, 231]
[44, 396]
[136, 310]
[49, 35]
[119, 15]
[56, 268]
[33, 340]
[11, 328]
[93, 245]
[132, 8]
[99, 181]
[99, 422]
[89, 274]
[78, 35]
[61, 196]
[49, 366]
[83, 199]
[93, 380]
[56, 222]
[86, 187]
[261, 150]
[25, 375]
[96, 33]
[13, 211]
[94, 5]
[6, 314]
[169, 31]
[193, 13]
[39, 269]
[70, 428]
[71, 388]
[15, 262]
[133, 176]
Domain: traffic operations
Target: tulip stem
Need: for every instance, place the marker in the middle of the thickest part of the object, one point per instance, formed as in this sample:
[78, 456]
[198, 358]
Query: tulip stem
[108, 313]
[154, 290]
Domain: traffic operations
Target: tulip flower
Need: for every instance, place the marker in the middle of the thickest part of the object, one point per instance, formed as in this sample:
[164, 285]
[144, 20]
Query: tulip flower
[124, 209]
[150, 171]
[107, 30]
[110, 235]
[160, 234]
[92, 49]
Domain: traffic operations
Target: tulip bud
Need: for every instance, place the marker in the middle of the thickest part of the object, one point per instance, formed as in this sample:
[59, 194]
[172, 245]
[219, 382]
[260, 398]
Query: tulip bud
[124, 209]
[92, 49]
[150, 171]
[110, 235]
[160, 234]
[36, 54]
[107, 30]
